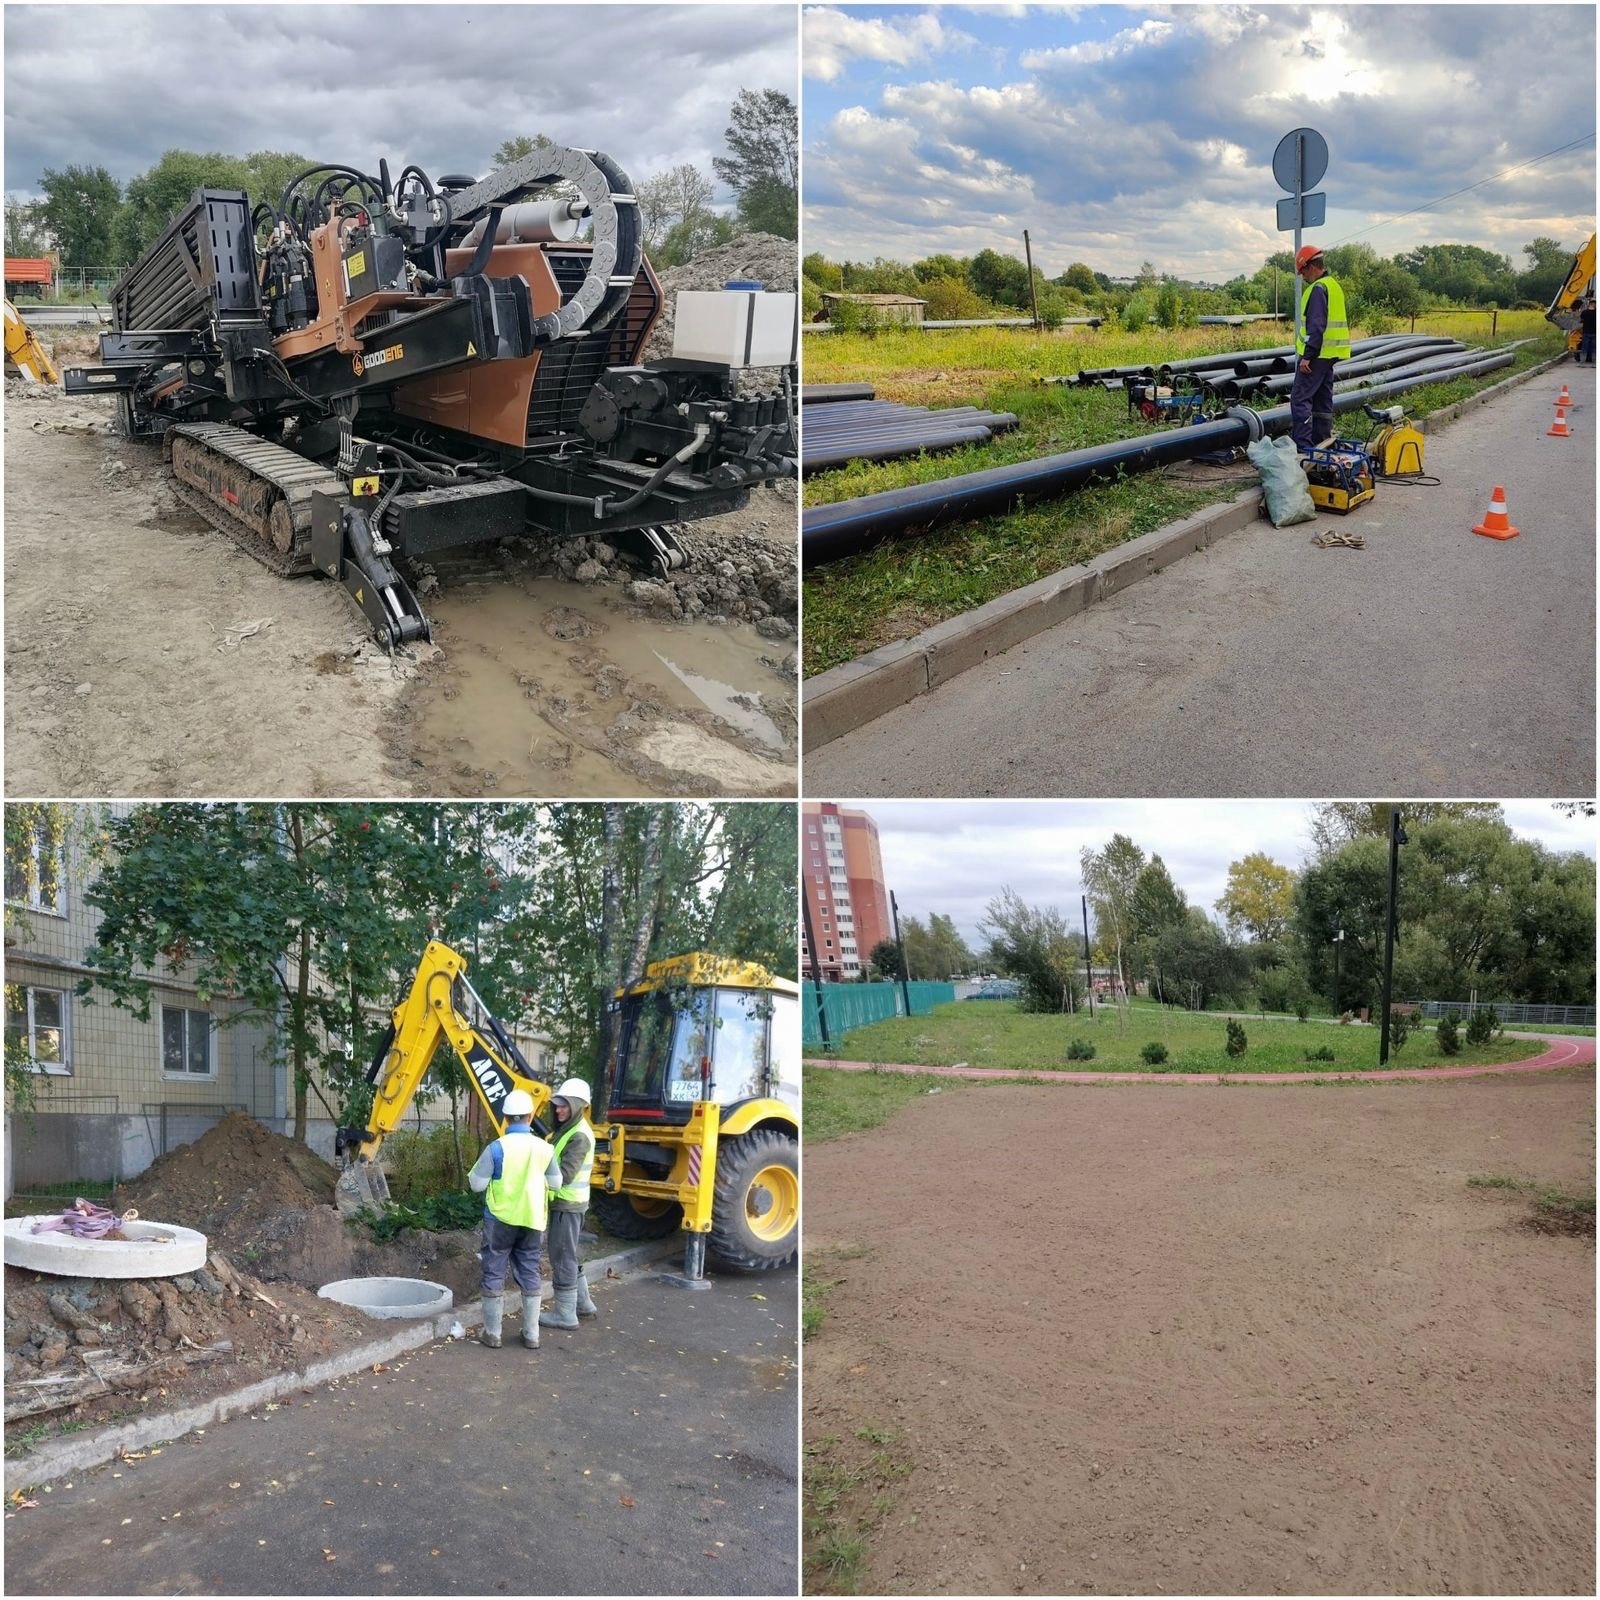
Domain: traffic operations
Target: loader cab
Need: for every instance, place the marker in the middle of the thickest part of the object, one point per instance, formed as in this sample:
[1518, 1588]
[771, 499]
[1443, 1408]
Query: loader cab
[703, 1028]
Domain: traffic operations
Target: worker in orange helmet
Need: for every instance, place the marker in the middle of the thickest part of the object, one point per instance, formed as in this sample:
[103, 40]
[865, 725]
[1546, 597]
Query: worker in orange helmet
[1324, 338]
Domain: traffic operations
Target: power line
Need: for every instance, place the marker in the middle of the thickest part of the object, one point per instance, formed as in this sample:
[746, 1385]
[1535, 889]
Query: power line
[1429, 205]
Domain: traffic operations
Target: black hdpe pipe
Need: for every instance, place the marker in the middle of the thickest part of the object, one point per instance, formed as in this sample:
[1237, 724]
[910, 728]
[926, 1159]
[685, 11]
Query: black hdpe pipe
[831, 455]
[829, 533]
[1223, 358]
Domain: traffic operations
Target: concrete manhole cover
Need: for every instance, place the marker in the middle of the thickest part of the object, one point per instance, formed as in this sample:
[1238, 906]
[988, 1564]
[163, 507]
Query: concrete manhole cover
[390, 1297]
[149, 1250]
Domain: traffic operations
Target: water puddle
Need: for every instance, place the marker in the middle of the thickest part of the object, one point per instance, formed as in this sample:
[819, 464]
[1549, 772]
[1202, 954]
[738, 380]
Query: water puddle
[550, 688]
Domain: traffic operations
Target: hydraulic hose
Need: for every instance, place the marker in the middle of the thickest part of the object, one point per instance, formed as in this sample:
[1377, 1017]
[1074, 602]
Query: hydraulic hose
[829, 533]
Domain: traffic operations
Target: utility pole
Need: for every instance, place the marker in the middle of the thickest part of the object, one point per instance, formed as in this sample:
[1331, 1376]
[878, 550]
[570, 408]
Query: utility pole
[1338, 939]
[816, 969]
[1088, 959]
[905, 964]
[1397, 837]
[1033, 288]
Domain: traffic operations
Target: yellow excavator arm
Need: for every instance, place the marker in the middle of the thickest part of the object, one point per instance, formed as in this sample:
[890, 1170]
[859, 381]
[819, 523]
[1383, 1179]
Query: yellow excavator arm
[427, 1014]
[1564, 309]
[24, 351]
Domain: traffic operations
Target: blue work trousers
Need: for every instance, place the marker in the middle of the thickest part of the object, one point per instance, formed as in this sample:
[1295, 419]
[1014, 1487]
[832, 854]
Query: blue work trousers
[506, 1246]
[1311, 404]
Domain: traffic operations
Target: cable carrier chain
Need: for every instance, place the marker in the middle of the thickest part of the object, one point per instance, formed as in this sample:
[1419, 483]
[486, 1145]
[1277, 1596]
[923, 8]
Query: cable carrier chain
[368, 370]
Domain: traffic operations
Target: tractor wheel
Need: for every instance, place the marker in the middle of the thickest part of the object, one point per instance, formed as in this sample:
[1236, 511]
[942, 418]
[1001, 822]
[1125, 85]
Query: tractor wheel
[631, 1216]
[755, 1218]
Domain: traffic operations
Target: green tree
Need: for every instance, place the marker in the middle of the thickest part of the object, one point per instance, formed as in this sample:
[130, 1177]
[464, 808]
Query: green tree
[1259, 898]
[1110, 877]
[79, 209]
[1548, 261]
[936, 951]
[1034, 945]
[884, 959]
[1169, 306]
[762, 166]
[1196, 964]
[1080, 277]
[1001, 280]
[156, 196]
[677, 199]
[934, 267]
[25, 231]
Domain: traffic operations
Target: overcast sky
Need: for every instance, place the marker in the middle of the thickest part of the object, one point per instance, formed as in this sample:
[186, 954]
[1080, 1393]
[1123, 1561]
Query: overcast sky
[1120, 134]
[954, 856]
[439, 85]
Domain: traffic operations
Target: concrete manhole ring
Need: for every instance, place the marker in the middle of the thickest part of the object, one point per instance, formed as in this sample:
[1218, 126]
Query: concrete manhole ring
[390, 1297]
[150, 1250]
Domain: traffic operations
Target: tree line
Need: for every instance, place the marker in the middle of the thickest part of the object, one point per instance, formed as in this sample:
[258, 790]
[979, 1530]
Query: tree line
[1480, 909]
[92, 221]
[1429, 277]
[316, 915]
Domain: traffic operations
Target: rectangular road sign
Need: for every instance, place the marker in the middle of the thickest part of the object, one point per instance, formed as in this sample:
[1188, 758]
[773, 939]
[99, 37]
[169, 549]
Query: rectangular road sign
[1313, 212]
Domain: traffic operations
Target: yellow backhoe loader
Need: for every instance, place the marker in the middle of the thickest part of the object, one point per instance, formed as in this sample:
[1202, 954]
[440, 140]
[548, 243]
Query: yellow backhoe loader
[701, 1129]
[1564, 309]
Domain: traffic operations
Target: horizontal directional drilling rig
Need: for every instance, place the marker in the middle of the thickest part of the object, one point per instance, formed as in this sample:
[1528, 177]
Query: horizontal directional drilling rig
[368, 370]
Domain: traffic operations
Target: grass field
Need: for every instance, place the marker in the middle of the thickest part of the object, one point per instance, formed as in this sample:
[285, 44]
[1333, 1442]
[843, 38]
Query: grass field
[905, 586]
[996, 1034]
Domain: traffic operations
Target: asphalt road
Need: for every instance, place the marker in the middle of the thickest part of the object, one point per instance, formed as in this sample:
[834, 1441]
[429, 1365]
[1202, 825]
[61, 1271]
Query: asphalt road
[654, 1452]
[1432, 663]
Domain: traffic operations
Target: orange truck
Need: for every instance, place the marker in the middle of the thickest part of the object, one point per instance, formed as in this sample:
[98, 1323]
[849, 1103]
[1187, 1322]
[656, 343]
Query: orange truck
[33, 275]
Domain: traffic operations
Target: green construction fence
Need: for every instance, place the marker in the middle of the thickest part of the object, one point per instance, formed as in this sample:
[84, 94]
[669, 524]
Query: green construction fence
[854, 1005]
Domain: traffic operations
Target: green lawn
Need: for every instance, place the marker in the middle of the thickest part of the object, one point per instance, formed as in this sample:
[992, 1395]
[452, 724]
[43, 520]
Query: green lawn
[994, 1033]
[907, 585]
[851, 1102]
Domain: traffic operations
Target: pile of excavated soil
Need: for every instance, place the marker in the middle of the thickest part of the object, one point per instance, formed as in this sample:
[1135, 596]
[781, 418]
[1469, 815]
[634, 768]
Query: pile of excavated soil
[1260, 1340]
[268, 1201]
[761, 258]
[153, 1339]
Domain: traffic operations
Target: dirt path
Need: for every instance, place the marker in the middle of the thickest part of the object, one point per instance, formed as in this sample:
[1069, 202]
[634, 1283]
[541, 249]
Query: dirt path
[147, 656]
[1274, 1345]
[1559, 1053]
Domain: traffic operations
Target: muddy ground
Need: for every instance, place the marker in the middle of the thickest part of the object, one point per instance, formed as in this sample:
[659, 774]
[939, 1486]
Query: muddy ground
[1249, 1342]
[146, 655]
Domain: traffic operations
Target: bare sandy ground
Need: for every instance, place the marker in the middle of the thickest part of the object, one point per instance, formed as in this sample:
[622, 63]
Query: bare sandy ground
[1210, 1342]
[146, 656]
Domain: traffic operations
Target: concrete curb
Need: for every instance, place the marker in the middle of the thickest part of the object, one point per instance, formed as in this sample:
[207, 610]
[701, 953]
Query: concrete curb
[857, 692]
[1561, 1053]
[60, 1457]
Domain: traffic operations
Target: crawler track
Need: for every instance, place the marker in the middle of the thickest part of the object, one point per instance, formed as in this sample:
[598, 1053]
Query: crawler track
[257, 493]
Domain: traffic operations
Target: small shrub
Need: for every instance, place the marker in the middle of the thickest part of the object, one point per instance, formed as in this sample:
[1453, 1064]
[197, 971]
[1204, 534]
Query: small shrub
[1154, 1053]
[1080, 1050]
[1324, 1054]
[1237, 1041]
[1449, 1037]
[1481, 1024]
[1346, 1018]
[1399, 1030]
[1302, 1008]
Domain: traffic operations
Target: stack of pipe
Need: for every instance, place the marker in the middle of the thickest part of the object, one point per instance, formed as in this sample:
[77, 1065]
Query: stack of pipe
[837, 429]
[1114, 377]
[829, 533]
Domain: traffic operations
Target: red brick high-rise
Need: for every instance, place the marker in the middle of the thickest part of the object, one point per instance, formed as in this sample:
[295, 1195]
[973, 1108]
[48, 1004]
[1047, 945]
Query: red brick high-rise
[843, 876]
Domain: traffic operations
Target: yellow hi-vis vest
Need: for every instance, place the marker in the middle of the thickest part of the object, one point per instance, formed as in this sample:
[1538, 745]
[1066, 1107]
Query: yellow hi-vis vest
[578, 1190]
[1336, 341]
[518, 1196]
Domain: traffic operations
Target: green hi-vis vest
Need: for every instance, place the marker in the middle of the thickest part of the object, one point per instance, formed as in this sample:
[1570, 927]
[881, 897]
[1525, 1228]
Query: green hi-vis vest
[578, 1190]
[518, 1196]
[1336, 341]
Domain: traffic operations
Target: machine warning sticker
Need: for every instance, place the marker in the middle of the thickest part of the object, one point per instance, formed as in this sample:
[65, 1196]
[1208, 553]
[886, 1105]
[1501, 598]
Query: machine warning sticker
[356, 263]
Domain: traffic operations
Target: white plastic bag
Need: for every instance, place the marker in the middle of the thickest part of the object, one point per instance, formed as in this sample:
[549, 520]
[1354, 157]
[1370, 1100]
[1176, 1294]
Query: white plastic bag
[1284, 479]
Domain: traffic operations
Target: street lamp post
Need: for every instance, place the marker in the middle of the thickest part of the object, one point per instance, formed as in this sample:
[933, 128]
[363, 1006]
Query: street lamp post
[1338, 939]
[1397, 837]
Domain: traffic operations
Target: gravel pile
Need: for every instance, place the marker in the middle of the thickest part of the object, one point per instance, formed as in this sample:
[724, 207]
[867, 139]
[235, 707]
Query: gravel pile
[761, 258]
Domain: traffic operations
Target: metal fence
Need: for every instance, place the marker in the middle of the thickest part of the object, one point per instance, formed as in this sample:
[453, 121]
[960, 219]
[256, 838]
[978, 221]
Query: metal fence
[854, 1005]
[1533, 1016]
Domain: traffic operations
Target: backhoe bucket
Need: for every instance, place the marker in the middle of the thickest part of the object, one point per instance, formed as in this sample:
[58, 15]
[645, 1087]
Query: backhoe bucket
[361, 1185]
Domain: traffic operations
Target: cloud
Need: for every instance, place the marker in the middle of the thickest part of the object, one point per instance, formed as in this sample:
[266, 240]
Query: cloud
[835, 39]
[439, 85]
[1153, 140]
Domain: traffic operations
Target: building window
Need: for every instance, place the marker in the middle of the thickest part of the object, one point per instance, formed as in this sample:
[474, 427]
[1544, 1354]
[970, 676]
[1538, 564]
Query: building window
[34, 874]
[186, 1043]
[37, 1028]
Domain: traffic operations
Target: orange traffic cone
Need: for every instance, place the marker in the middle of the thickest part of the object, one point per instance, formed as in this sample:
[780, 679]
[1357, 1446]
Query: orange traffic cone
[1496, 524]
[1564, 399]
[1558, 428]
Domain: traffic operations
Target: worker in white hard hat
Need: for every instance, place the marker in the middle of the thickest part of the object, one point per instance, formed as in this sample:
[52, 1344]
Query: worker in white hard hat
[574, 1148]
[515, 1175]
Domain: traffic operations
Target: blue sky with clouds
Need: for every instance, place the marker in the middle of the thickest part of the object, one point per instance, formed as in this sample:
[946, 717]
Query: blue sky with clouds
[954, 856]
[1119, 134]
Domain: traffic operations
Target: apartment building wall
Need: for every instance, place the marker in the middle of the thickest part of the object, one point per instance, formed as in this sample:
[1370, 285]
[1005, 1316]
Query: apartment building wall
[842, 872]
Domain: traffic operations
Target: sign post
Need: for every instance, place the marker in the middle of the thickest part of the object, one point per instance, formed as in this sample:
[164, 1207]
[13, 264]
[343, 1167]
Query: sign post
[1299, 164]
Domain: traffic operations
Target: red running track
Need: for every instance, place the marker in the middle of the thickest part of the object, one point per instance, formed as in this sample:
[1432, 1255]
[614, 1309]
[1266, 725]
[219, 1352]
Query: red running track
[1574, 1052]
